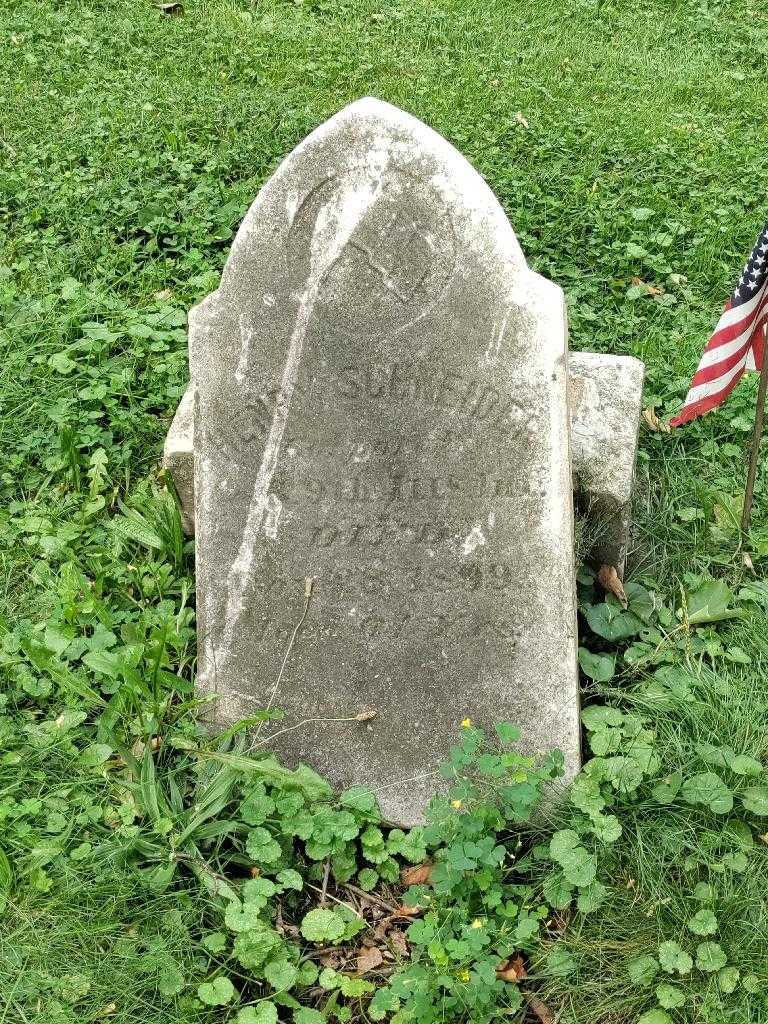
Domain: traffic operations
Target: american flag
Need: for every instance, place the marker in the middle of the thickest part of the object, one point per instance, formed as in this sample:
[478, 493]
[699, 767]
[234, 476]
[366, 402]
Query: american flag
[738, 342]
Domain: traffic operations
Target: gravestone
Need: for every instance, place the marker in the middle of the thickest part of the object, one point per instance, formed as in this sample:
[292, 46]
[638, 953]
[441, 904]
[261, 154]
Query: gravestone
[381, 410]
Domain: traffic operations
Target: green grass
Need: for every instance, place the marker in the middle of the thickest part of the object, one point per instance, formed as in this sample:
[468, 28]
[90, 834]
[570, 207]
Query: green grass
[96, 950]
[131, 145]
[666, 852]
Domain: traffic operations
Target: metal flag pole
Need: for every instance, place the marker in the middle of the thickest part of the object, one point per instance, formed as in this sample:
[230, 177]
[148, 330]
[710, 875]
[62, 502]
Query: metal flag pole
[754, 448]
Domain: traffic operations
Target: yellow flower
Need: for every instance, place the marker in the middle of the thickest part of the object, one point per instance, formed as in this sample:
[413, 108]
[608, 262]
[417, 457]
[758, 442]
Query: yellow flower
[464, 975]
[477, 923]
[455, 804]
[466, 723]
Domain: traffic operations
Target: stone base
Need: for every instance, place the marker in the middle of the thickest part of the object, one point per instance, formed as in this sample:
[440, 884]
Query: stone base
[179, 458]
[605, 395]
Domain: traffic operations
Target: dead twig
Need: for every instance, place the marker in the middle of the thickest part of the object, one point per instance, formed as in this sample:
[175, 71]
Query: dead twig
[342, 903]
[326, 873]
[361, 716]
[373, 897]
[313, 954]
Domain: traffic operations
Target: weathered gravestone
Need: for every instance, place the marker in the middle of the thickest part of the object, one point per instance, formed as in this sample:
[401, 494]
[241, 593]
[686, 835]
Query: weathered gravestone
[381, 408]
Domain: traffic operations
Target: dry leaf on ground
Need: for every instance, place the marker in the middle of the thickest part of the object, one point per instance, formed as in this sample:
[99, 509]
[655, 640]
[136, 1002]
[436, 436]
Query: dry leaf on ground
[540, 1009]
[609, 580]
[404, 911]
[399, 942]
[650, 289]
[368, 958]
[418, 875]
[366, 715]
[512, 970]
[653, 421]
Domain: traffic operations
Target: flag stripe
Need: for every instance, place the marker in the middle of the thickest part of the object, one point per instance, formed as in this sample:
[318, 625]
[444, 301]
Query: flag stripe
[719, 360]
[733, 314]
[705, 404]
[738, 341]
[711, 387]
[733, 336]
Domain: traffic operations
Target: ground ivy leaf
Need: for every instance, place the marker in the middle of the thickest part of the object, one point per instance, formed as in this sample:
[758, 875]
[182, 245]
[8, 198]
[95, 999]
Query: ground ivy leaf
[241, 917]
[281, 974]
[261, 847]
[673, 958]
[599, 667]
[708, 789]
[261, 1013]
[703, 922]
[669, 996]
[728, 979]
[591, 897]
[290, 879]
[710, 957]
[710, 603]
[215, 942]
[642, 970]
[360, 799]
[742, 764]
[655, 1017]
[557, 891]
[601, 716]
[755, 799]
[321, 925]
[218, 992]
[306, 1015]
